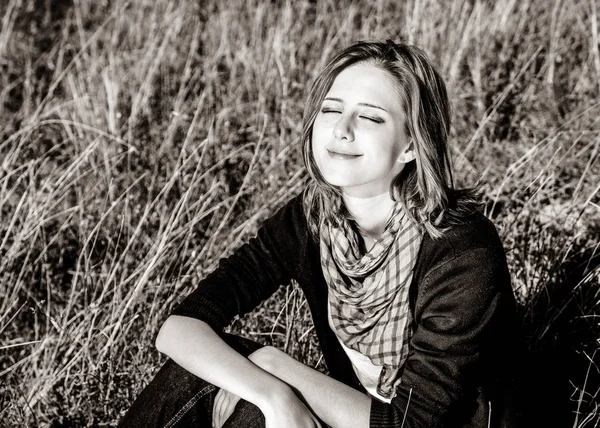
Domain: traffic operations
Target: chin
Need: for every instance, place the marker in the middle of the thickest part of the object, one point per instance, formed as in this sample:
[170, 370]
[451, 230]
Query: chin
[337, 181]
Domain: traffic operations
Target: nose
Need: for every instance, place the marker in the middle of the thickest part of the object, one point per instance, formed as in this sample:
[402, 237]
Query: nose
[343, 128]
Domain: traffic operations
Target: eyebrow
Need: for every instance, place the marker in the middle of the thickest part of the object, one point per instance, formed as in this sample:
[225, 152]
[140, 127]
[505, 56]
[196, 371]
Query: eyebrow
[339, 100]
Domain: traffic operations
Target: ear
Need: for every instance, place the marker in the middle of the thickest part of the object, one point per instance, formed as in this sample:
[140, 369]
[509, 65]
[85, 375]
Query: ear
[408, 154]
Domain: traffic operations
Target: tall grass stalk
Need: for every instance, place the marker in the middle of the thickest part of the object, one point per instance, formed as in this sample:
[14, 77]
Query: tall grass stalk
[142, 141]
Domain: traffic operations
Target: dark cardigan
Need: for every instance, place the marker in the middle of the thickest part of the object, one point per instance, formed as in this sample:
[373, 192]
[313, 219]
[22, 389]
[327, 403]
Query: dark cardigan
[462, 349]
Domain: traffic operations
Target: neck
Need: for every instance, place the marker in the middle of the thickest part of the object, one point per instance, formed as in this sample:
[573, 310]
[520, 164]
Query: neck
[370, 213]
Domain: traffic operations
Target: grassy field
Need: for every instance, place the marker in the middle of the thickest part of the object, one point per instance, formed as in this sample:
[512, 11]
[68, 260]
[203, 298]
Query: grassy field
[140, 141]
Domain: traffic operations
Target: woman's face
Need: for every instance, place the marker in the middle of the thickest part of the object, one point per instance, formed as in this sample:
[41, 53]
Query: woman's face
[358, 138]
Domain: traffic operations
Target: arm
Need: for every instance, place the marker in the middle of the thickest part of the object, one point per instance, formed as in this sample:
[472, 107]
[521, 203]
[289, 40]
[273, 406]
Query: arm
[253, 272]
[461, 307]
[335, 403]
[238, 285]
[197, 348]
[464, 315]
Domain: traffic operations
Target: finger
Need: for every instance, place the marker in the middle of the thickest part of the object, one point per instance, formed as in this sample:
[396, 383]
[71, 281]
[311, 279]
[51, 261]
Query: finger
[214, 412]
[222, 409]
[216, 419]
[226, 411]
[229, 406]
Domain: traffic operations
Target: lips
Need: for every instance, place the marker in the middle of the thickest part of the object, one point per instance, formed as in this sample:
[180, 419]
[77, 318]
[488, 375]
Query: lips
[342, 155]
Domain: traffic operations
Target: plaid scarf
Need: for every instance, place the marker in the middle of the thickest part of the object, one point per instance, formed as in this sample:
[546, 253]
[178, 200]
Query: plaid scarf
[368, 294]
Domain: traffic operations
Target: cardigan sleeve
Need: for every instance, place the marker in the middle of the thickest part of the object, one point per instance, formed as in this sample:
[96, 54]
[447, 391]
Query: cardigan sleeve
[253, 272]
[459, 309]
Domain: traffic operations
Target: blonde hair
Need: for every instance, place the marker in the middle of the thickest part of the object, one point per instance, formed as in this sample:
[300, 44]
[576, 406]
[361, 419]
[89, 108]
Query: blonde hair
[425, 186]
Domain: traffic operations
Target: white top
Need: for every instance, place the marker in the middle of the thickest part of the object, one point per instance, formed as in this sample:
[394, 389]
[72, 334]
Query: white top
[367, 372]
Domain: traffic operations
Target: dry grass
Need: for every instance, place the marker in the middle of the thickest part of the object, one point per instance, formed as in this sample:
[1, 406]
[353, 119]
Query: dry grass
[141, 141]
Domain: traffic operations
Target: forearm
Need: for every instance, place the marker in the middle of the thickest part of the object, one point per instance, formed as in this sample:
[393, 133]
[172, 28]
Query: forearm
[335, 403]
[196, 347]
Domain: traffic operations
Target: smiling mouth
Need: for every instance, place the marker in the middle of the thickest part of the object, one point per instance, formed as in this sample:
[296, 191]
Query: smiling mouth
[342, 156]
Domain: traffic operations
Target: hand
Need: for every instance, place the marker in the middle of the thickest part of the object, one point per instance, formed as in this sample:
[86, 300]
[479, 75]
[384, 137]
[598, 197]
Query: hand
[283, 408]
[287, 410]
[223, 407]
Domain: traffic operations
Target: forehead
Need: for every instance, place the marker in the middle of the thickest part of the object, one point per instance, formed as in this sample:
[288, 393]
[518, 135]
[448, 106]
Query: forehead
[366, 82]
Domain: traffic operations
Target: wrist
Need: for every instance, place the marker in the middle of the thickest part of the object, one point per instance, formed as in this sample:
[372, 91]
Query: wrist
[273, 393]
[276, 391]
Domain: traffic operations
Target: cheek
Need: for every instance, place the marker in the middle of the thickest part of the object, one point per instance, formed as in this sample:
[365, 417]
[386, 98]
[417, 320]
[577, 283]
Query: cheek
[315, 148]
[313, 141]
[318, 138]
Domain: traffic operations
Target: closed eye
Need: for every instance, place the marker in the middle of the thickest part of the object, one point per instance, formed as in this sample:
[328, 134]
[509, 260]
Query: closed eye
[330, 110]
[372, 119]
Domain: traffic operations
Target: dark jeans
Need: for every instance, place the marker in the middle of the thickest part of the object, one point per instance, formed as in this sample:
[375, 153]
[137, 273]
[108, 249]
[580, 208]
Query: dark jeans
[177, 398]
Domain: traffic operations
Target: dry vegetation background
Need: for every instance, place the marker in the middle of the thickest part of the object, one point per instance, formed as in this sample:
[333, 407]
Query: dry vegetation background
[142, 140]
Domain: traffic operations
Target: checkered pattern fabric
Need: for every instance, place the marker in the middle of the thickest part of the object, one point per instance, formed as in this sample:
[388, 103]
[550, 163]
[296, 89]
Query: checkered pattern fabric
[368, 293]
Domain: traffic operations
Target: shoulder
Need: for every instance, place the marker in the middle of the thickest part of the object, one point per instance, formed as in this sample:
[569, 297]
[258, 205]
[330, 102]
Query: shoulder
[287, 227]
[290, 215]
[472, 232]
[278, 246]
[465, 271]
[473, 237]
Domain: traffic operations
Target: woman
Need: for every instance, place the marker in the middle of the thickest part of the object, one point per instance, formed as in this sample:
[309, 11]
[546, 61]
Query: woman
[407, 284]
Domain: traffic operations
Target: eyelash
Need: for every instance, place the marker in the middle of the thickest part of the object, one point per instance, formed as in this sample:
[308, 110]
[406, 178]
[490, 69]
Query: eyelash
[372, 119]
